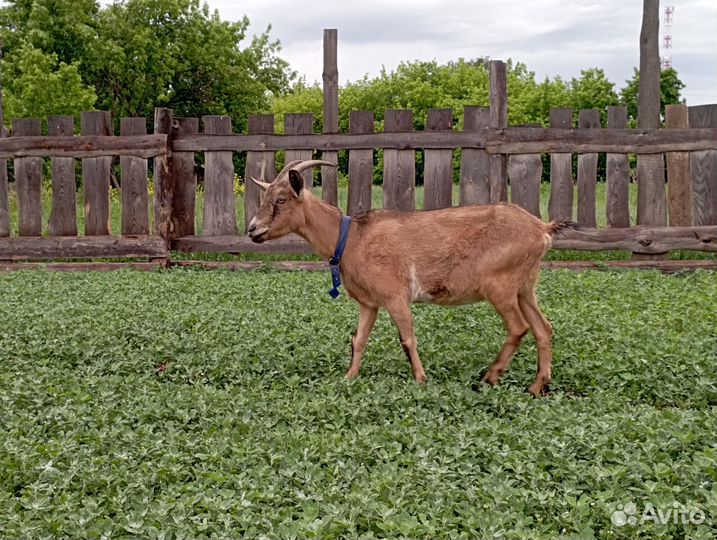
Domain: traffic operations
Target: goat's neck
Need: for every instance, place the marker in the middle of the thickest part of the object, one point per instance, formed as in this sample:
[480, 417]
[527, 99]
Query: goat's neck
[321, 225]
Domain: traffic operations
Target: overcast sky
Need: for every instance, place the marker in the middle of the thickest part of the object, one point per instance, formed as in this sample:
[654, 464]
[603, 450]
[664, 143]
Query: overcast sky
[553, 37]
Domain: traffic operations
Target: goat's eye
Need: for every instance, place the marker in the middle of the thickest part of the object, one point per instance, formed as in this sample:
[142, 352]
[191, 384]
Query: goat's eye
[280, 200]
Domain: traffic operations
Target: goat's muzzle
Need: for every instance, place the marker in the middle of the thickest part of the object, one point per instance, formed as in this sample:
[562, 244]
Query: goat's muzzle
[257, 234]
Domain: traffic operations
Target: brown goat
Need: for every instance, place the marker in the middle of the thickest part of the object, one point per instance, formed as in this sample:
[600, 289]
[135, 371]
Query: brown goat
[449, 257]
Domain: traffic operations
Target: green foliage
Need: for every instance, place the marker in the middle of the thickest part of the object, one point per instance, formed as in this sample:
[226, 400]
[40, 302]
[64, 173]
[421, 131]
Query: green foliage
[670, 92]
[189, 404]
[40, 86]
[140, 54]
[593, 90]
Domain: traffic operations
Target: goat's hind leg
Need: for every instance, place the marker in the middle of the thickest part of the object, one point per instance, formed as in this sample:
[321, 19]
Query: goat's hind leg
[516, 327]
[367, 318]
[543, 332]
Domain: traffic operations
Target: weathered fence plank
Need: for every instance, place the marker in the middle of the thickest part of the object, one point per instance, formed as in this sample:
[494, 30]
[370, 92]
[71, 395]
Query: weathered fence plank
[4, 201]
[679, 183]
[240, 244]
[360, 165]
[399, 166]
[82, 247]
[524, 173]
[300, 124]
[617, 208]
[83, 146]
[703, 166]
[254, 160]
[219, 206]
[641, 240]
[587, 172]
[184, 181]
[651, 199]
[499, 120]
[63, 216]
[330, 175]
[475, 163]
[28, 181]
[499, 141]
[135, 197]
[560, 205]
[163, 182]
[438, 164]
[96, 176]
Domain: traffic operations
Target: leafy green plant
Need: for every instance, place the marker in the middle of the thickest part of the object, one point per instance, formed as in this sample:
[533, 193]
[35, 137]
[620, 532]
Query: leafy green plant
[186, 403]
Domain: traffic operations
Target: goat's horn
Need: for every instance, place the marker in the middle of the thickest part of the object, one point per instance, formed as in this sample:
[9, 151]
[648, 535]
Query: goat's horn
[312, 163]
[287, 167]
[262, 185]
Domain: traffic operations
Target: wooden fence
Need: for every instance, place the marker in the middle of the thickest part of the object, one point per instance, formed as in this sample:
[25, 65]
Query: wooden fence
[676, 210]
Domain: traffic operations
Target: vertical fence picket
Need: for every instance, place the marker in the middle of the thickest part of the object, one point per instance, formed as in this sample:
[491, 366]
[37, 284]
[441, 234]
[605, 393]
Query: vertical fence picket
[679, 183]
[133, 173]
[28, 179]
[438, 164]
[498, 120]
[219, 207]
[703, 167]
[300, 124]
[525, 172]
[96, 176]
[617, 207]
[560, 205]
[63, 217]
[475, 162]
[399, 166]
[184, 181]
[329, 175]
[360, 165]
[587, 172]
[258, 124]
[4, 201]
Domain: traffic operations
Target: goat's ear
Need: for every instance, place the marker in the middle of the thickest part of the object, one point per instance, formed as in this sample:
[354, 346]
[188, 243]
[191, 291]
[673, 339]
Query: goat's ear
[296, 182]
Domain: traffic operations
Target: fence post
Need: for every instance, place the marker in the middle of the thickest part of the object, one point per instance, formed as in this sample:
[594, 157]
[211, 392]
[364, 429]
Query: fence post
[28, 178]
[438, 164]
[163, 188]
[329, 175]
[498, 120]
[617, 208]
[135, 199]
[399, 166]
[703, 167]
[360, 165]
[63, 217]
[679, 185]
[219, 207]
[587, 172]
[4, 204]
[475, 162]
[258, 124]
[561, 171]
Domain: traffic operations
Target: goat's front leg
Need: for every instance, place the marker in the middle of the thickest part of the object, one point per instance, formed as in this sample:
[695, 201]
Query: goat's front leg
[400, 312]
[367, 318]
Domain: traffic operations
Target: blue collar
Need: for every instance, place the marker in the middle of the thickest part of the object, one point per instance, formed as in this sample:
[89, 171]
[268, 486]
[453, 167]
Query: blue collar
[336, 259]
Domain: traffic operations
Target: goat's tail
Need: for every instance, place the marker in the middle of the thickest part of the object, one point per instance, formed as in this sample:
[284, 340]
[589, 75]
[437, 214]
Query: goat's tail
[555, 227]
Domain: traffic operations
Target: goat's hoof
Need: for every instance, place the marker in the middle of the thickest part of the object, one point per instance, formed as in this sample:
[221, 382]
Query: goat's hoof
[539, 389]
[478, 386]
[350, 376]
[490, 378]
[421, 379]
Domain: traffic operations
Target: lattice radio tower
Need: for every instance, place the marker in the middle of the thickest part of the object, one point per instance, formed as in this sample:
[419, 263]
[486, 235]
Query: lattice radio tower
[667, 38]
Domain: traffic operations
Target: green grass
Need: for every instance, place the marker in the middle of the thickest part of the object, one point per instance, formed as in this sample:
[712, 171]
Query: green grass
[192, 404]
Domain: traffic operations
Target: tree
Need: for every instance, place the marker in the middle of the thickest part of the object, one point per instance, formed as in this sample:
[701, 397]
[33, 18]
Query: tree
[175, 53]
[42, 86]
[592, 90]
[670, 92]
